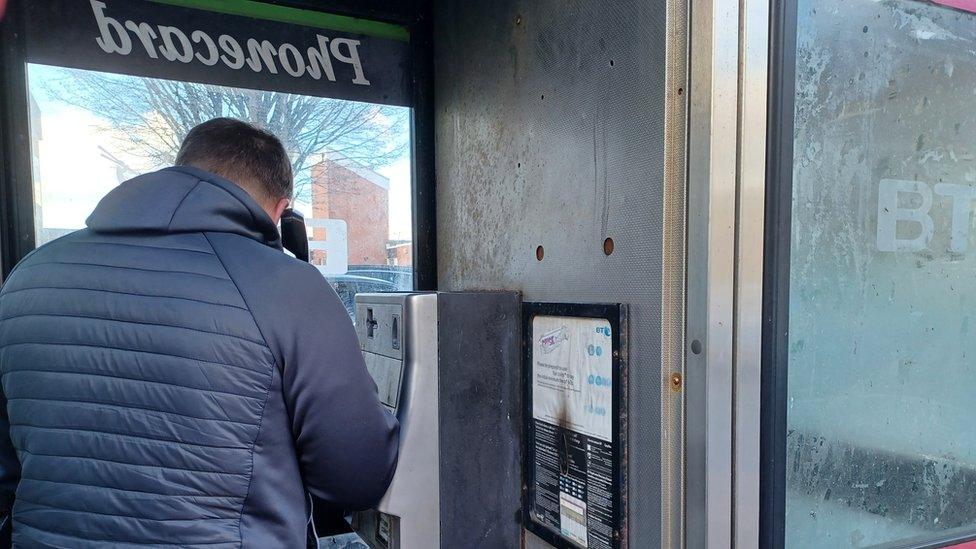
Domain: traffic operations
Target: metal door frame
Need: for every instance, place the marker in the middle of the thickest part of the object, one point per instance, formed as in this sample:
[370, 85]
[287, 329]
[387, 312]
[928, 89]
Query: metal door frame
[730, 47]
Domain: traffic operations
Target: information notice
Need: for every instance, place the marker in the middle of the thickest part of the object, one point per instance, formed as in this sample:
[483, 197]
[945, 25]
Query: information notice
[572, 399]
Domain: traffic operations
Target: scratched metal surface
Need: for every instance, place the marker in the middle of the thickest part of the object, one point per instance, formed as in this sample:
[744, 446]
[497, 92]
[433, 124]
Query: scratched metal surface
[550, 132]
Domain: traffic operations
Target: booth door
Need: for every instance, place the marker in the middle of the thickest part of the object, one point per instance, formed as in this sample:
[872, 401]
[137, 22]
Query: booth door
[870, 436]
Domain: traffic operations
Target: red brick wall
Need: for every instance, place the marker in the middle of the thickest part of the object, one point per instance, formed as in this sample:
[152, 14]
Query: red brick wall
[340, 193]
[402, 255]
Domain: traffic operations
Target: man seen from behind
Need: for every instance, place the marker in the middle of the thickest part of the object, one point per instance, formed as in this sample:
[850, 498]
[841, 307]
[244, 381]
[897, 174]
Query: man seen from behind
[171, 377]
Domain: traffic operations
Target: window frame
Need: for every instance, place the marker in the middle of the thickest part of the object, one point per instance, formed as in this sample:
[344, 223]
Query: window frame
[776, 274]
[16, 187]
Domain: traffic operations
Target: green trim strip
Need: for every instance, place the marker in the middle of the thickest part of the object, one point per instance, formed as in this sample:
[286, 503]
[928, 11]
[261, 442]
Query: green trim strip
[296, 16]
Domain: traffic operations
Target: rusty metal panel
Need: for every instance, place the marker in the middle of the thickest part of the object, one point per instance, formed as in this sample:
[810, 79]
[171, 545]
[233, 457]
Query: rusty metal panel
[555, 176]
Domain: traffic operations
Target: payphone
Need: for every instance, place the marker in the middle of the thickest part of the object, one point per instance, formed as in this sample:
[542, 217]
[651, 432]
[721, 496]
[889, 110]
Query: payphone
[447, 365]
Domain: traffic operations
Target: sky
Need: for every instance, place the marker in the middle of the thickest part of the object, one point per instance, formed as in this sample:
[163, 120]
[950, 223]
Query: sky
[399, 174]
[74, 174]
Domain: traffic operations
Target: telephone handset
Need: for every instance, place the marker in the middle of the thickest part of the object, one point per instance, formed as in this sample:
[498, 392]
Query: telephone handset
[294, 238]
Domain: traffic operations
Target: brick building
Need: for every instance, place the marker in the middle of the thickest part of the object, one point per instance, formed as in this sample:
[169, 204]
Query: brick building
[400, 253]
[346, 190]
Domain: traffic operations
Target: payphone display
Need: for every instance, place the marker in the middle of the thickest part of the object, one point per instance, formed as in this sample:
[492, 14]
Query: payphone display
[575, 387]
[447, 365]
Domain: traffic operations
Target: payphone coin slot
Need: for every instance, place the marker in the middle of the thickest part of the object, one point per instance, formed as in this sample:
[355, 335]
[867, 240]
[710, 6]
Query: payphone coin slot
[370, 324]
[381, 328]
[395, 341]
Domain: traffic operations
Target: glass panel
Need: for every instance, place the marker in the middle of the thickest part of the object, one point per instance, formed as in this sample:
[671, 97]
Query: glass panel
[91, 131]
[882, 362]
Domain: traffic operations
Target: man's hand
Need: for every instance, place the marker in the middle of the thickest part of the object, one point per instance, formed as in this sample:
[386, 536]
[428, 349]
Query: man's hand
[3, 8]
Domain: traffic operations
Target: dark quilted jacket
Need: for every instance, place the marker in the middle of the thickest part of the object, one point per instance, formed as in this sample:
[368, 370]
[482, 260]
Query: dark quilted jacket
[172, 378]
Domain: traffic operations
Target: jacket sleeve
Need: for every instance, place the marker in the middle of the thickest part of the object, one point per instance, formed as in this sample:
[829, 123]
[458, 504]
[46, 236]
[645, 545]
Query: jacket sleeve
[9, 464]
[347, 442]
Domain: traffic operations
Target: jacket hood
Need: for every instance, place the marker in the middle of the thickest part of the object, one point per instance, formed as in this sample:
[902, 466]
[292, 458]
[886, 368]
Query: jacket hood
[183, 200]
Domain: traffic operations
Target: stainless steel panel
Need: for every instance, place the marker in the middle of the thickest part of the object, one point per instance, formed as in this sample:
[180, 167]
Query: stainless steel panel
[753, 83]
[673, 279]
[414, 494]
[712, 164]
[550, 128]
[386, 372]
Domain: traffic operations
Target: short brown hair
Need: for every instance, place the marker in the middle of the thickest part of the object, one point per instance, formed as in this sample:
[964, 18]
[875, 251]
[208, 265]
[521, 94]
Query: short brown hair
[240, 152]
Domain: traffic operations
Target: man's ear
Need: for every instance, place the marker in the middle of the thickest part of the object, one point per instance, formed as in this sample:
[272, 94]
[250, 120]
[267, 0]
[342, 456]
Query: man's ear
[279, 209]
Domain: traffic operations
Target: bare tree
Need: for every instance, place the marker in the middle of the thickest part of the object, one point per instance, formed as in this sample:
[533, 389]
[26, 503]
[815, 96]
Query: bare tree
[150, 118]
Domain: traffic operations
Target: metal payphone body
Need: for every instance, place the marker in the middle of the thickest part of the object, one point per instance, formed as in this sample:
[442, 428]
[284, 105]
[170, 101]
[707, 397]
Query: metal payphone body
[405, 382]
[447, 364]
